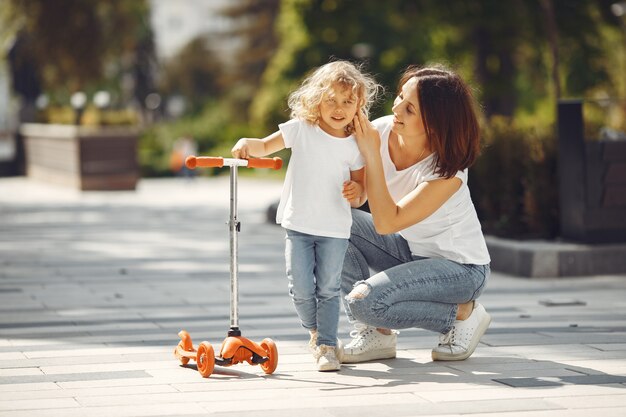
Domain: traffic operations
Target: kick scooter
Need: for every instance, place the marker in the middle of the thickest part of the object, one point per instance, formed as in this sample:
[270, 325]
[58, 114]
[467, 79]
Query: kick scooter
[235, 348]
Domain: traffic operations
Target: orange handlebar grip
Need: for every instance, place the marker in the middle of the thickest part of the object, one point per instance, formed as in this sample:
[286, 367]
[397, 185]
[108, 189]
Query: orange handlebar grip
[273, 163]
[193, 162]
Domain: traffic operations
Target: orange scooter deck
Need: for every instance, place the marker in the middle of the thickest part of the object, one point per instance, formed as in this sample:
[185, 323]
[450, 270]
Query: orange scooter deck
[235, 349]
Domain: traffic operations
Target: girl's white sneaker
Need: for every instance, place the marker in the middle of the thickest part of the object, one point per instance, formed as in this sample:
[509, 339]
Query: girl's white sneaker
[327, 359]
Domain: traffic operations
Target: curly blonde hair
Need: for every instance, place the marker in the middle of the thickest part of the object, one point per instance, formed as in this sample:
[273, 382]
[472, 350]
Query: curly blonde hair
[305, 101]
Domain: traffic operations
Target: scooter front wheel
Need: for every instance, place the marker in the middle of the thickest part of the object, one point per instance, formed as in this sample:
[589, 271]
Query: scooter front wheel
[205, 359]
[272, 353]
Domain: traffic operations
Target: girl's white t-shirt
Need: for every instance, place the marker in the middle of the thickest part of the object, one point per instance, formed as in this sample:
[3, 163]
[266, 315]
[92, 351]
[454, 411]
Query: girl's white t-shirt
[312, 200]
[453, 231]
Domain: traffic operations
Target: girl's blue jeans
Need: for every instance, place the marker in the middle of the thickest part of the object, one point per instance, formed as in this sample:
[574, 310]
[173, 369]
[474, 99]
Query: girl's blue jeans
[314, 273]
[405, 290]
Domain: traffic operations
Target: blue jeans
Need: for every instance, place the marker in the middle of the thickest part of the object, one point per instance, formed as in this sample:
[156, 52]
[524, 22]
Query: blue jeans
[314, 272]
[405, 290]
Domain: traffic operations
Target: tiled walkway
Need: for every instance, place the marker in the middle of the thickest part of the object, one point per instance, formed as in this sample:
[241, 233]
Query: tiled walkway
[94, 288]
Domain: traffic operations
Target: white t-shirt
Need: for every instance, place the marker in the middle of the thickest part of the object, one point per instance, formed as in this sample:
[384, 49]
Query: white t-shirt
[453, 231]
[311, 201]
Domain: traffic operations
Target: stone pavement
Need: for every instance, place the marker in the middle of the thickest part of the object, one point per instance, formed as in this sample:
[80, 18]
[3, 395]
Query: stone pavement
[95, 286]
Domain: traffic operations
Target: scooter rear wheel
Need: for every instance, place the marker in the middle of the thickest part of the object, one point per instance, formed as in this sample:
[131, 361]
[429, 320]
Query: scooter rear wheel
[205, 359]
[272, 352]
[183, 360]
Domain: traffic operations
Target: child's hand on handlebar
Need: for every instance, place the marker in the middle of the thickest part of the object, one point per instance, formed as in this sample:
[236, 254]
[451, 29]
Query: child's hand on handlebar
[241, 150]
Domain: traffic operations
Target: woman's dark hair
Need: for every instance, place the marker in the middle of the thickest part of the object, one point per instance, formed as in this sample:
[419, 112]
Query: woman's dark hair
[448, 110]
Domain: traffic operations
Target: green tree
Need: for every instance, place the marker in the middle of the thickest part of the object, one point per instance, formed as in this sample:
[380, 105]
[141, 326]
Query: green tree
[505, 48]
[269, 106]
[195, 72]
[73, 41]
[253, 27]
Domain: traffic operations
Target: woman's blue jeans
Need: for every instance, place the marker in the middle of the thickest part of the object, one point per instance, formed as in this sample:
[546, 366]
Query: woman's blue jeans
[314, 272]
[405, 290]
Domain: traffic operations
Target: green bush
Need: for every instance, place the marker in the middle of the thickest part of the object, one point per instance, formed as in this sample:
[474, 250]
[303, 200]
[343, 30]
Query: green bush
[514, 182]
[91, 116]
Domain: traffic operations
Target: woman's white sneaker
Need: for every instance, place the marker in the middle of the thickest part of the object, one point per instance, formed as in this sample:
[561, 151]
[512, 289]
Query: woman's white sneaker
[461, 341]
[369, 344]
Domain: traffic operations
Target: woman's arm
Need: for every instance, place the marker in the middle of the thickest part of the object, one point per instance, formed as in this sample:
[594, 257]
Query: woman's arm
[247, 147]
[388, 216]
[415, 206]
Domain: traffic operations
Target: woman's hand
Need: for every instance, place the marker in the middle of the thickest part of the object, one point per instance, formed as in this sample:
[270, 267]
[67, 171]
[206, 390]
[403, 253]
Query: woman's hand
[241, 150]
[367, 137]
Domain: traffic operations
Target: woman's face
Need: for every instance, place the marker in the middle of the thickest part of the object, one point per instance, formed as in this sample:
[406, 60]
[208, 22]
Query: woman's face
[337, 110]
[407, 120]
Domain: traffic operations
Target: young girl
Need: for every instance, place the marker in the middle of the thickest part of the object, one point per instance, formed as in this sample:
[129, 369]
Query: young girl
[324, 178]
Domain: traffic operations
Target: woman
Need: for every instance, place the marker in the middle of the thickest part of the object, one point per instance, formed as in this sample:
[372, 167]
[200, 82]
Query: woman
[423, 239]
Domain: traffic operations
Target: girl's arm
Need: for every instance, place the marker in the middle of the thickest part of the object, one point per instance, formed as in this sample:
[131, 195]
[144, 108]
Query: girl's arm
[247, 147]
[354, 190]
[388, 216]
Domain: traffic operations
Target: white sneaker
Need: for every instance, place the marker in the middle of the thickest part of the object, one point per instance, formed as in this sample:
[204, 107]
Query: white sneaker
[339, 350]
[313, 346]
[327, 359]
[461, 341]
[313, 341]
[369, 344]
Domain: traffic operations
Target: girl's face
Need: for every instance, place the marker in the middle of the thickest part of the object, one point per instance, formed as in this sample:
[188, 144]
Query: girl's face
[407, 119]
[337, 110]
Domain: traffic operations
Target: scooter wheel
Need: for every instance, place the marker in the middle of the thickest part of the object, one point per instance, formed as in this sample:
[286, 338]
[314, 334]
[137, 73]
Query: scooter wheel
[205, 359]
[272, 352]
[183, 360]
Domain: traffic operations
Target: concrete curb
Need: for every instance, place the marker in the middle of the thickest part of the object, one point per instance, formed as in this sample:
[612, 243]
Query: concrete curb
[542, 259]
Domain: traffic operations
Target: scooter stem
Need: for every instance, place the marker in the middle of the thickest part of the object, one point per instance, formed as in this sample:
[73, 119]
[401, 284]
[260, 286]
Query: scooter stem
[234, 227]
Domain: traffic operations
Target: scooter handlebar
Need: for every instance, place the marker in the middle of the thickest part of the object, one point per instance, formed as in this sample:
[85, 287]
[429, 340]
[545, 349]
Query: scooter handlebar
[272, 163]
[193, 162]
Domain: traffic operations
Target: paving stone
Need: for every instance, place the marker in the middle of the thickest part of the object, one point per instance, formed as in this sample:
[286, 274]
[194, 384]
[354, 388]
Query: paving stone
[85, 376]
[562, 380]
[125, 411]
[38, 404]
[28, 388]
[18, 372]
[592, 401]
[503, 391]
[96, 392]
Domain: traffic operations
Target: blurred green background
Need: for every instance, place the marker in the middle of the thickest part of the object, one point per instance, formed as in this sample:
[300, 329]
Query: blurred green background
[237, 60]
